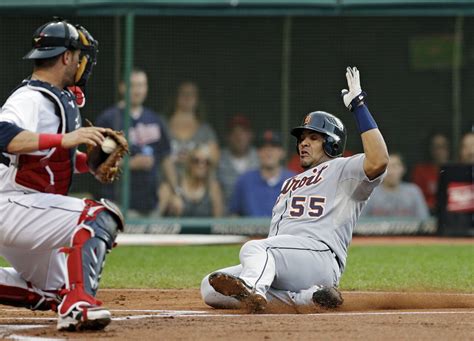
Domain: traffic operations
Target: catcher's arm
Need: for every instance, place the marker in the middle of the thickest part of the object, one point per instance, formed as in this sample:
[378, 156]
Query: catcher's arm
[28, 141]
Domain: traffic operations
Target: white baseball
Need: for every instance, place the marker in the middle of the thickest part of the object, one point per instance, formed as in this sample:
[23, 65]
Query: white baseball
[109, 145]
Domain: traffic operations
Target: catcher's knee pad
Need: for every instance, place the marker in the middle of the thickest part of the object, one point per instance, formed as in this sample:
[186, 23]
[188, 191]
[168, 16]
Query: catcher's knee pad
[105, 228]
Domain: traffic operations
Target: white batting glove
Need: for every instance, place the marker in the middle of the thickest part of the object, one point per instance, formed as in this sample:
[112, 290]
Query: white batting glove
[353, 83]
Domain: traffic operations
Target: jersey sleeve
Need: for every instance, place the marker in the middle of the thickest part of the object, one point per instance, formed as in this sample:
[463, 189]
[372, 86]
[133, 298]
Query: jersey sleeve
[17, 114]
[22, 110]
[8, 131]
[354, 180]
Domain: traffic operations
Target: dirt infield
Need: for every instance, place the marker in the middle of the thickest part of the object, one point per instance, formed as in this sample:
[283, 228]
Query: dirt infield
[181, 315]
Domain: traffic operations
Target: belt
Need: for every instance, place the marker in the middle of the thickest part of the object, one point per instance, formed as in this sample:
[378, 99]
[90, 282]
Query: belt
[339, 263]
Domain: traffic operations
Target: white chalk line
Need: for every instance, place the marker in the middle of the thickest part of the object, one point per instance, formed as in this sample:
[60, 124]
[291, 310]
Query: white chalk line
[6, 329]
[198, 313]
[30, 338]
[138, 317]
[343, 292]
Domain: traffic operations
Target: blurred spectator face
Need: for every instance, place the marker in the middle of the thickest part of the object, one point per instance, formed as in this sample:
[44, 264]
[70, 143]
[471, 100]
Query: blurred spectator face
[270, 156]
[188, 96]
[270, 150]
[467, 148]
[240, 139]
[240, 135]
[395, 171]
[439, 149]
[200, 163]
[138, 88]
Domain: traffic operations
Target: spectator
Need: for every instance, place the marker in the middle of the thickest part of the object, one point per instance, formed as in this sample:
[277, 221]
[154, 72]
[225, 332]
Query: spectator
[239, 157]
[466, 154]
[187, 129]
[426, 175]
[201, 195]
[256, 191]
[396, 198]
[149, 147]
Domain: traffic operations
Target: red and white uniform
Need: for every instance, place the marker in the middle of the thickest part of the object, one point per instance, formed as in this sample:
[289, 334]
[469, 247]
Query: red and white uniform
[35, 224]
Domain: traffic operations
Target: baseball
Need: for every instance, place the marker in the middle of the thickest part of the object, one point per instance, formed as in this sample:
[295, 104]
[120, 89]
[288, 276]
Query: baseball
[108, 145]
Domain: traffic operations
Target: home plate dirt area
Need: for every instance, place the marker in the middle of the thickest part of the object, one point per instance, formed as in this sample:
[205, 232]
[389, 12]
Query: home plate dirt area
[181, 315]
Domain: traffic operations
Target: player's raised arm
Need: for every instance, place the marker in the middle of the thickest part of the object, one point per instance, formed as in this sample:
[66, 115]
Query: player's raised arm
[375, 149]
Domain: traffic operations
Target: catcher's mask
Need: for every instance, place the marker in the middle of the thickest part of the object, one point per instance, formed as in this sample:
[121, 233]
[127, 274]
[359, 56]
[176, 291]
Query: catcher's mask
[89, 51]
[330, 126]
[55, 37]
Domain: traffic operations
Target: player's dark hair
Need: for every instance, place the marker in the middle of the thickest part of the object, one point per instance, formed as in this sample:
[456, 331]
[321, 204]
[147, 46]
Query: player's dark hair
[46, 62]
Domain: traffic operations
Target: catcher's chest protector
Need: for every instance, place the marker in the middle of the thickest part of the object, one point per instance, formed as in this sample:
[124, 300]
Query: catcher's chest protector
[51, 173]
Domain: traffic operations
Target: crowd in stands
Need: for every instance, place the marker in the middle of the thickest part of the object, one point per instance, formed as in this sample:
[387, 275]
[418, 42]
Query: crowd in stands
[179, 169]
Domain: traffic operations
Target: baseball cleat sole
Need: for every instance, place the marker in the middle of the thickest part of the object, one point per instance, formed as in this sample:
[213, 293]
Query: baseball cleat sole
[232, 286]
[327, 297]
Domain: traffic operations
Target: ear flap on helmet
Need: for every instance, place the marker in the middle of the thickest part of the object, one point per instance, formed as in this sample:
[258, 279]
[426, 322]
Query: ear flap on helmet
[331, 146]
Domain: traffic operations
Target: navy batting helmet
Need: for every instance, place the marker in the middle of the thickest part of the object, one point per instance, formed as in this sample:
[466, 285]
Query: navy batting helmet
[330, 126]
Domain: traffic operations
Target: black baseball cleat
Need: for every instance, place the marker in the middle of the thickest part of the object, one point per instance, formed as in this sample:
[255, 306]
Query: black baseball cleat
[327, 297]
[232, 286]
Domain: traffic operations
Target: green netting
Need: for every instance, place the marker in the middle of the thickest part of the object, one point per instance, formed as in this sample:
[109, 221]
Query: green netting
[406, 65]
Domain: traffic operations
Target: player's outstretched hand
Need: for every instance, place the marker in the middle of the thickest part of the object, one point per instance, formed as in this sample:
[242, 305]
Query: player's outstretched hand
[87, 135]
[353, 83]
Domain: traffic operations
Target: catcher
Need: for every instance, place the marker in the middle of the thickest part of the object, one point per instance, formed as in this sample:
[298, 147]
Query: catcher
[56, 244]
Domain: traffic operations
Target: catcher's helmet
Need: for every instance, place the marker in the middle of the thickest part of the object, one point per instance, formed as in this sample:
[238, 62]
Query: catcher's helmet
[330, 126]
[55, 37]
[52, 39]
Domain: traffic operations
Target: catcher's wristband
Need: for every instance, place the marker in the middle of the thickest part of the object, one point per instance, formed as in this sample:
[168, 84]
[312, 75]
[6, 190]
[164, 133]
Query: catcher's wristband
[47, 141]
[364, 119]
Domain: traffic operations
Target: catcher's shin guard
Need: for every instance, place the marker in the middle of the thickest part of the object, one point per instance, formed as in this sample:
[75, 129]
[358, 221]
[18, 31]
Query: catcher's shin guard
[93, 238]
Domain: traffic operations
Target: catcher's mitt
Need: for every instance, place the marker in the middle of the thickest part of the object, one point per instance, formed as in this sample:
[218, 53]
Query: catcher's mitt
[106, 167]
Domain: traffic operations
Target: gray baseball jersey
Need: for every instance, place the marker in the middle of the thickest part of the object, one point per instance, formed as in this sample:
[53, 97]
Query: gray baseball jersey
[310, 232]
[324, 203]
